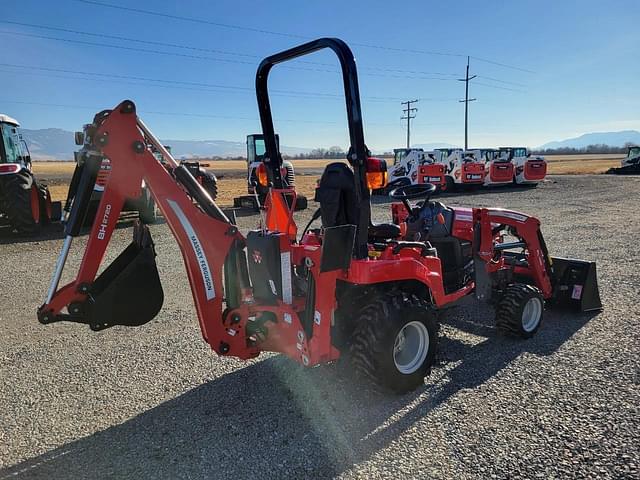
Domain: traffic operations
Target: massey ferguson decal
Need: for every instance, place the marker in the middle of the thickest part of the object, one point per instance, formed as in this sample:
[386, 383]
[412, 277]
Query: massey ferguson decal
[197, 249]
[105, 220]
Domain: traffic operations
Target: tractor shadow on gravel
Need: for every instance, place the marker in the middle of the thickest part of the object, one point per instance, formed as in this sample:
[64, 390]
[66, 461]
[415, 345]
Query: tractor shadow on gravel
[272, 419]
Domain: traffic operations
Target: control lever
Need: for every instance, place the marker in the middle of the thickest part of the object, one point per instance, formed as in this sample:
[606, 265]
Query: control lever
[263, 221]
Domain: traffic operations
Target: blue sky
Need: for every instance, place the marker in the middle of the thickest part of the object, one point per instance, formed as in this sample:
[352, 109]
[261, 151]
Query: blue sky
[579, 68]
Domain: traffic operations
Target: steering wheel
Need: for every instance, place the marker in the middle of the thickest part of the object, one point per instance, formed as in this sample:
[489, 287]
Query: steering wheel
[410, 192]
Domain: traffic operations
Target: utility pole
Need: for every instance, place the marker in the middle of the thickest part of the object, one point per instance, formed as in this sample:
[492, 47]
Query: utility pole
[408, 116]
[466, 104]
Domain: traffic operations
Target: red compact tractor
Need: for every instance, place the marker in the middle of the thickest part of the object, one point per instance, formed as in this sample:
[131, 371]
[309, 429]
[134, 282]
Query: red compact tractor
[25, 203]
[349, 288]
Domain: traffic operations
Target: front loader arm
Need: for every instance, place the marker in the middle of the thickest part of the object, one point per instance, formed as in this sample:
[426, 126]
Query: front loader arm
[203, 232]
[527, 230]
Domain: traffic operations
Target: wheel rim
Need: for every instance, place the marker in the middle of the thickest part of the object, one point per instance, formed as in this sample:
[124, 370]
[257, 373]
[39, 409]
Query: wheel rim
[410, 347]
[531, 314]
[35, 204]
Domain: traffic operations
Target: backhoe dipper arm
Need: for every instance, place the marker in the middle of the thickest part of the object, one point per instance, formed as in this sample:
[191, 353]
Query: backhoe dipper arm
[203, 232]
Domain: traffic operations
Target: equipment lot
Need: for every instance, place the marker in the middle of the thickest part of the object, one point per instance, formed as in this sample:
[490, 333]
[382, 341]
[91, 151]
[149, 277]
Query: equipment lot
[155, 402]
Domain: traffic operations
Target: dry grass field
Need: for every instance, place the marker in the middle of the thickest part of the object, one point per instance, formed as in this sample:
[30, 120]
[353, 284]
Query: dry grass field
[233, 183]
[581, 164]
[58, 174]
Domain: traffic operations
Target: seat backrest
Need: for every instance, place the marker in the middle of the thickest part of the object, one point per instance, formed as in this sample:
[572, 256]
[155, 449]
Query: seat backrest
[336, 195]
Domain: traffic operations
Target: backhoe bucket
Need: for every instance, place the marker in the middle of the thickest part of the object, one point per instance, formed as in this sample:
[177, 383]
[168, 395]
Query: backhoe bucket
[128, 292]
[575, 284]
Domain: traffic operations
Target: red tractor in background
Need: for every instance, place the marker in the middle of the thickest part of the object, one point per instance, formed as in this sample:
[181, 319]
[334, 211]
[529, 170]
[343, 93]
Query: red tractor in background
[145, 205]
[25, 203]
[351, 288]
[257, 193]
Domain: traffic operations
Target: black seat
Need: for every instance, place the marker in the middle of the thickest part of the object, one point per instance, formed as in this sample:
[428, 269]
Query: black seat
[384, 231]
[337, 198]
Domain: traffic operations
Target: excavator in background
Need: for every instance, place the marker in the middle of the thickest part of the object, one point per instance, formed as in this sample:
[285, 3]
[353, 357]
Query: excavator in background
[630, 164]
[25, 203]
[352, 288]
[257, 193]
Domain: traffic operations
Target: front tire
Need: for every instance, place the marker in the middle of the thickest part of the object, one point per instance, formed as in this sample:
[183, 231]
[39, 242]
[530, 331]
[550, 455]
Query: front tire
[520, 310]
[394, 342]
[21, 201]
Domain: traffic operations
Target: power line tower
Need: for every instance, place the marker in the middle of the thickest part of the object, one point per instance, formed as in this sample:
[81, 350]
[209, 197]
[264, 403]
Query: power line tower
[466, 104]
[408, 117]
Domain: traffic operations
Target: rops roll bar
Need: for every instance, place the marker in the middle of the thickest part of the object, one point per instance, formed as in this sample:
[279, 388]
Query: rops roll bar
[357, 153]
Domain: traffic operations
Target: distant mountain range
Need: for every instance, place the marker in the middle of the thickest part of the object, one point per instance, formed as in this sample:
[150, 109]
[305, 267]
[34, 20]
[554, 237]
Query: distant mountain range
[58, 144]
[613, 139]
[50, 143]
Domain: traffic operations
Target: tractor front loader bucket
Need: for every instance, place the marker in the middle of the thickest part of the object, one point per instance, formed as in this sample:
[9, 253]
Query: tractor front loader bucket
[128, 292]
[575, 284]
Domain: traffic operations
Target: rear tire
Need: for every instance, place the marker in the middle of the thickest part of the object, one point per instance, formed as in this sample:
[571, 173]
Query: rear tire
[301, 203]
[520, 310]
[21, 202]
[449, 183]
[394, 342]
[45, 204]
[210, 184]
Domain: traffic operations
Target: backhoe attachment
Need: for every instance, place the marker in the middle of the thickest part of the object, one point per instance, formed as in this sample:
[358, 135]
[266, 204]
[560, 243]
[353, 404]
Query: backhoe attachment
[128, 292]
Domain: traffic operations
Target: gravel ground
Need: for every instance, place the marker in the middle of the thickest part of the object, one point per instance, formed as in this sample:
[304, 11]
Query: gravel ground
[155, 402]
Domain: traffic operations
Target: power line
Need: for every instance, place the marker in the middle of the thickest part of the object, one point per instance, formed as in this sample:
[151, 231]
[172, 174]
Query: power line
[128, 39]
[200, 57]
[502, 81]
[200, 49]
[408, 117]
[499, 88]
[285, 34]
[222, 52]
[466, 104]
[186, 85]
[191, 19]
[183, 114]
[122, 47]
[499, 64]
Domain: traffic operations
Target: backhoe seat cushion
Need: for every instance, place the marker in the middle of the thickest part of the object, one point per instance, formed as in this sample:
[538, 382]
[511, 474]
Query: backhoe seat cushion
[337, 198]
[336, 195]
